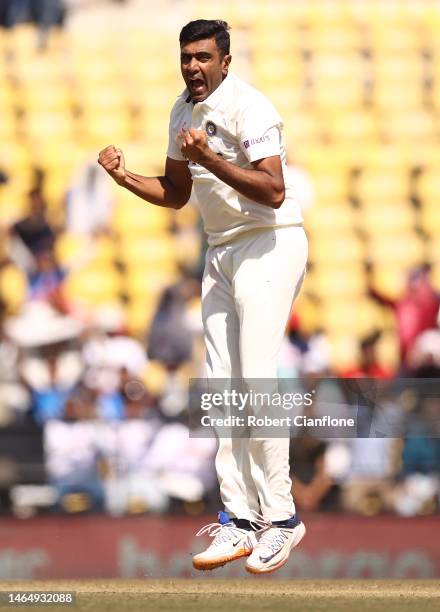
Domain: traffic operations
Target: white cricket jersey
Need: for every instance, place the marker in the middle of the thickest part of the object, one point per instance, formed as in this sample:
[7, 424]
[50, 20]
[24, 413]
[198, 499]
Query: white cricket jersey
[242, 127]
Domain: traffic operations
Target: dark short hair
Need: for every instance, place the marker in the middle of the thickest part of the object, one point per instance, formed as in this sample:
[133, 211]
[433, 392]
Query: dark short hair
[207, 28]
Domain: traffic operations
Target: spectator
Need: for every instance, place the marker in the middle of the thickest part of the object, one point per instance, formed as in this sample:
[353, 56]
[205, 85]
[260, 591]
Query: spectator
[424, 356]
[369, 366]
[183, 465]
[73, 452]
[13, 12]
[416, 311]
[33, 232]
[45, 282]
[313, 486]
[170, 338]
[14, 397]
[49, 402]
[45, 13]
[109, 352]
[131, 486]
[89, 201]
[48, 363]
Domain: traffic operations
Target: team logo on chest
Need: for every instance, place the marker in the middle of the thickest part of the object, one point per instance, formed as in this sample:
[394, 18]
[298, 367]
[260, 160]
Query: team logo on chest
[210, 128]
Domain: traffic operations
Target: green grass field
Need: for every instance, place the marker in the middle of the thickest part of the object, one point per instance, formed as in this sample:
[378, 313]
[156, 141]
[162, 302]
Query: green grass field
[236, 595]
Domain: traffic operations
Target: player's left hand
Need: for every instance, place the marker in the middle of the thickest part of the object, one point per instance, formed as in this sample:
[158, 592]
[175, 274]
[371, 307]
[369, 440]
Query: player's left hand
[194, 145]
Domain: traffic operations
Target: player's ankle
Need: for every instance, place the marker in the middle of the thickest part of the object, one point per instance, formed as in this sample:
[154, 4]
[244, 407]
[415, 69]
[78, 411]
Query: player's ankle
[243, 524]
[289, 523]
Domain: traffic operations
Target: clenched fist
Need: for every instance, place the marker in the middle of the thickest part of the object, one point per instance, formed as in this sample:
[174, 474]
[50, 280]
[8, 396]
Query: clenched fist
[112, 160]
[194, 145]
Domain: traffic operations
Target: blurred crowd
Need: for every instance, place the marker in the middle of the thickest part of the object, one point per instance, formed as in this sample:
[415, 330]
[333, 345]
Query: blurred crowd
[111, 408]
[44, 13]
[106, 401]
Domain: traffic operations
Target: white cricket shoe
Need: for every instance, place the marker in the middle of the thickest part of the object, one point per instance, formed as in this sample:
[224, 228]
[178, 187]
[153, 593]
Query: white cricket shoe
[229, 543]
[273, 548]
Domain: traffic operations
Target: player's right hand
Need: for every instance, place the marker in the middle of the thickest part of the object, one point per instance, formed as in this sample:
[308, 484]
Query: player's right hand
[112, 160]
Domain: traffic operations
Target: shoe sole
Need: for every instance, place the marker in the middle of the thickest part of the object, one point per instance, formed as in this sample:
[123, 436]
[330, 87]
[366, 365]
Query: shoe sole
[299, 537]
[210, 565]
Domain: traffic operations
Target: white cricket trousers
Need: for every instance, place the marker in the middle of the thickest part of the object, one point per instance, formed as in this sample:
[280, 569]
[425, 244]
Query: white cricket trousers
[248, 288]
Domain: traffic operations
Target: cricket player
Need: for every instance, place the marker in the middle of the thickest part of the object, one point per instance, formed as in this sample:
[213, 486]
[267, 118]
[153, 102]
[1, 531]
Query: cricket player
[225, 141]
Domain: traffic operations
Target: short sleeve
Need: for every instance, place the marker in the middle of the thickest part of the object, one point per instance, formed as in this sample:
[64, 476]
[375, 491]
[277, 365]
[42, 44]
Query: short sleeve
[259, 131]
[173, 150]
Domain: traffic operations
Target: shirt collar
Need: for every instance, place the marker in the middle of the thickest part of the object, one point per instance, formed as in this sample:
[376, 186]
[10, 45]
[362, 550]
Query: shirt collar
[222, 93]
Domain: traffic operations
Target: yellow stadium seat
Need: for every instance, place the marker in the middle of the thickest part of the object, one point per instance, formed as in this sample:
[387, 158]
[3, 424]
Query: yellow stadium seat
[353, 126]
[335, 39]
[323, 220]
[337, 95]
[58, 156]
[388, 218]
[44, 126]
[389, 279]
[405, 69]
[142, 281]
[380, 14]
[96, 68]
[411, 126]
[285, 44]
[330, 187]
[13, 288]
[347, 281]
[97, 129]
[398, 39]
[89, 39]
[325, 13]
[433, 248]
[154, 74]
[131, 217]
[344, 351]
[140, 313]
[69, 247]
[323, 158]
[435, 276]
[390, 157]
[8, 125]
[8, 96]
[155, 377]
[269, 72]
[428, 186]
[37, 70]
[337, 249]
[154, 132]
[359, 317]
[273, 15]
[406, 248]
[429, 216]
[93, 285]
[435, 92]
[157, 251]
[336, 68]
[13, 200]
[308, 309]
[301, 128]
[382, 185]
[103, 98]
[388, 350]
[44, 99]
[22, 39]
[186, 218]
[287, 100]
[396, 96]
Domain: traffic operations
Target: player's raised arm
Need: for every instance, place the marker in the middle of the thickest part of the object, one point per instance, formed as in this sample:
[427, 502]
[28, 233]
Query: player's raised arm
[171, 190]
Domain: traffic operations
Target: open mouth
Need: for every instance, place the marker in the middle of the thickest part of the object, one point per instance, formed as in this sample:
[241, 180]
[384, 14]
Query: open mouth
[197, 86]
